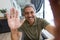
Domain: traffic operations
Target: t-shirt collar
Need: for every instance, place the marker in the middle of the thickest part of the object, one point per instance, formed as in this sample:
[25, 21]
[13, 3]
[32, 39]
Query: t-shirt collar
[35, 22]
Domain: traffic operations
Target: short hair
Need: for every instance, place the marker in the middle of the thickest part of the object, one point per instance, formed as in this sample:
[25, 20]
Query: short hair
[29, 5]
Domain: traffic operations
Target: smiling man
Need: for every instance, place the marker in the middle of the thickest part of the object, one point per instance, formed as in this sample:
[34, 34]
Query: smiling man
[30, 28]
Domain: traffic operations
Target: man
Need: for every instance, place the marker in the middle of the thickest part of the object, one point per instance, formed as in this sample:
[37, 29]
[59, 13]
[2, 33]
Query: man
[30, 27]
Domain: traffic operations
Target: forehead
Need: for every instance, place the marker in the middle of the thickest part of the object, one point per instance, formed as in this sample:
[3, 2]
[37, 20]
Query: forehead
[29, 9]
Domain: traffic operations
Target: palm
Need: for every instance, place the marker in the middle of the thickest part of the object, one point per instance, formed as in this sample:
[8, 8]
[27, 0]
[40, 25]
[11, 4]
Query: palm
[14, 23]
[13, 20]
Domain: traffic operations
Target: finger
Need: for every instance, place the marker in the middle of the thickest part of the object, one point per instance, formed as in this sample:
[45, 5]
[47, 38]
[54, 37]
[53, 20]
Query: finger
[7, 15]
[12, 11]
[16, 14]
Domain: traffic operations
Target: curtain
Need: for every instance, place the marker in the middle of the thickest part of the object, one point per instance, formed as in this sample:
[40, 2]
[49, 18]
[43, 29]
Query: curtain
[38, 4]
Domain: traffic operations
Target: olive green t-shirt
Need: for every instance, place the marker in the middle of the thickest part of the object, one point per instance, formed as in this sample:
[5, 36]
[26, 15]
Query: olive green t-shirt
[32, 32]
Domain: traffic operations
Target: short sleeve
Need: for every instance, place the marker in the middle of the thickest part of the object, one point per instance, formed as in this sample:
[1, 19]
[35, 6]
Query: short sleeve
[23, 34]
[44, 23]
[20, 29]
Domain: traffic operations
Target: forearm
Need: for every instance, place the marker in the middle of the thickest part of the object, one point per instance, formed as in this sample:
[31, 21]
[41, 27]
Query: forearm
[51, 29]
[14, 34]
[55, 5]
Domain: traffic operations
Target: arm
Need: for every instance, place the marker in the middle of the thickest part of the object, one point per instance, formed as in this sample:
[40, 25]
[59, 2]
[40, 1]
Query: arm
[51, 29]
[14, 34]
[55, 5]
[14, 23]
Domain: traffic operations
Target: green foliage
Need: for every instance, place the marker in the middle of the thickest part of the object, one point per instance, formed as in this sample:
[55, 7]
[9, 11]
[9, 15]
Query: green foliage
[3, 10]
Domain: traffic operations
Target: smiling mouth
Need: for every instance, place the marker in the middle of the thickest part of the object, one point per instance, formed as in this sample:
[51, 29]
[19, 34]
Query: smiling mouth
[30, 17]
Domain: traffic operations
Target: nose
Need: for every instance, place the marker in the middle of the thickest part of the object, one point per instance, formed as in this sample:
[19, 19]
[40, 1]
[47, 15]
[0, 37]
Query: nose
[29, 14]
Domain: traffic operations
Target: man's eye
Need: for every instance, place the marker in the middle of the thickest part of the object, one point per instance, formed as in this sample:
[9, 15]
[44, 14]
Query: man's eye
[26, 12]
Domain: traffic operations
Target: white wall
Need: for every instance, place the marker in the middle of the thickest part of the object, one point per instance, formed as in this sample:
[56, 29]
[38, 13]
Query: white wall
[49, 13]
[5, 4]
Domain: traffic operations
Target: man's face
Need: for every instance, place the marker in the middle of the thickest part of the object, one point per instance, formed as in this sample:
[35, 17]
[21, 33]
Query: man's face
[29, 14]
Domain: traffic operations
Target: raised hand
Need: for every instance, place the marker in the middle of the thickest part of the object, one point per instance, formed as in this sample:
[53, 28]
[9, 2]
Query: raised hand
[13, 19]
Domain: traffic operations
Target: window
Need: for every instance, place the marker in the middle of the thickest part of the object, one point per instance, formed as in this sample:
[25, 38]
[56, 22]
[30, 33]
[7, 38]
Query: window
[48, 15]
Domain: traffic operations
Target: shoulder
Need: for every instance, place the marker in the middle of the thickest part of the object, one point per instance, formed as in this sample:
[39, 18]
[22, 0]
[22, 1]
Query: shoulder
[40, 19]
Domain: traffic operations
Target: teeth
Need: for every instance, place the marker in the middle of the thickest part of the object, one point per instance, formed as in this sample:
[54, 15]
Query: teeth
[30, 18]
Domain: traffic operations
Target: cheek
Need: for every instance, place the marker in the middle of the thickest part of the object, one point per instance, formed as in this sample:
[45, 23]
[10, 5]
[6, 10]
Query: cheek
[33, 15]
[25, 16]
